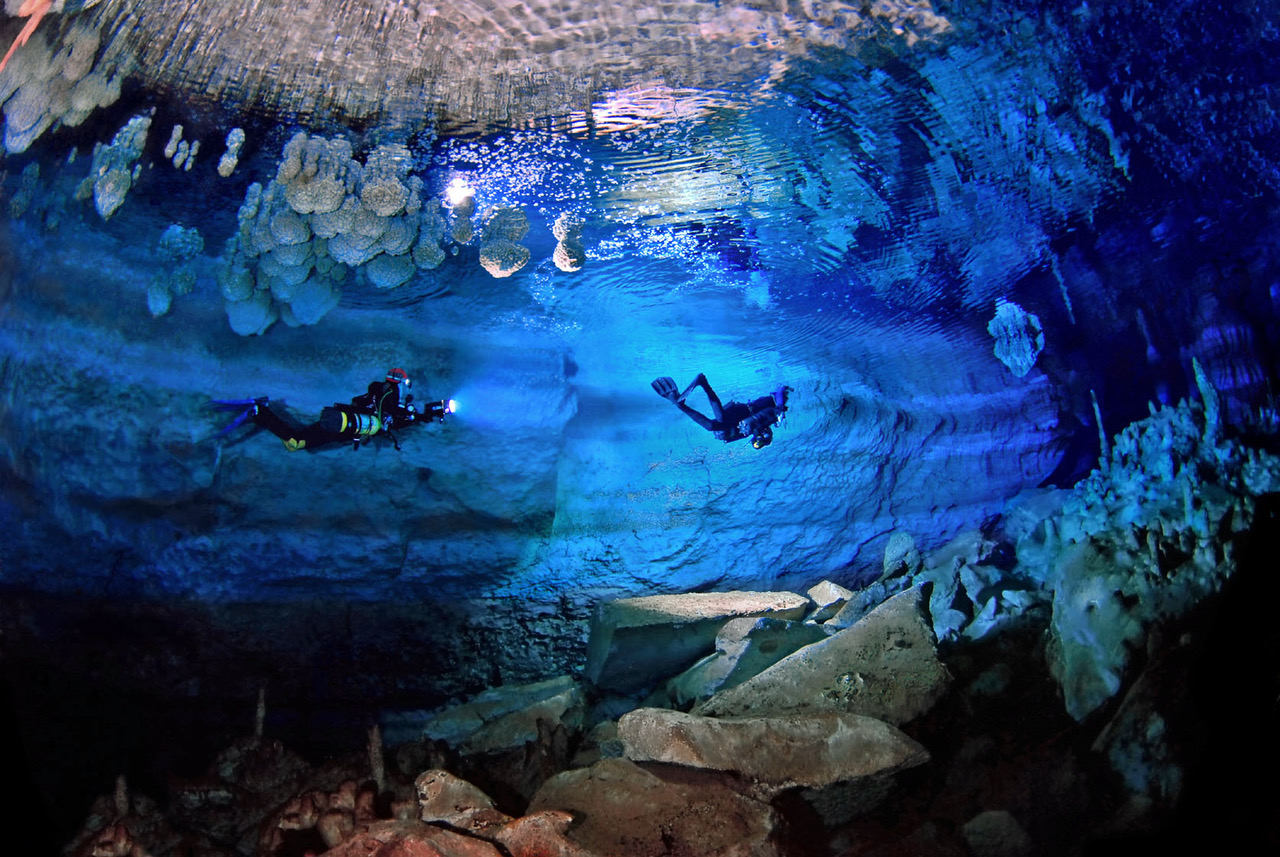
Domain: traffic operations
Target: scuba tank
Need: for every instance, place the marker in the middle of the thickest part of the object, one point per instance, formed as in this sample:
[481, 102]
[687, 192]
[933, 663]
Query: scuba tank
[348, 423]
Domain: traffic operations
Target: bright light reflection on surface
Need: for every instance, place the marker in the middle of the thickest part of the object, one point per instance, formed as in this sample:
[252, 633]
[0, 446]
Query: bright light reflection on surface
[458, 191]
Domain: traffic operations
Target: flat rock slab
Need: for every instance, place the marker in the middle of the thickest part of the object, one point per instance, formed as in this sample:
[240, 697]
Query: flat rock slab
[638, 642]
[506, 717]
[811, 750]
[620, 808]
[744, 648]
[886, 666]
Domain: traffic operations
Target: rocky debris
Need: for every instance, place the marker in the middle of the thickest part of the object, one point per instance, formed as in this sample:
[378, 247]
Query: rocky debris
[901, 556]
[996, 833]
[407, 838]
[510, 739]
[243, 784]
[456, 803]
[620, 807]
[506, 717]
[886, 666]
[1018, 335]
[637, 642]
[827, 598]
[744, 647]
[540, 834]
[811, 750]
[126, 825]
[1144, 539]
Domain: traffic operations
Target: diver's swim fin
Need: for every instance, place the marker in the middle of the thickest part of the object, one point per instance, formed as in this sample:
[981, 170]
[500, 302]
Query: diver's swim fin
[246, 407]
[667, 389]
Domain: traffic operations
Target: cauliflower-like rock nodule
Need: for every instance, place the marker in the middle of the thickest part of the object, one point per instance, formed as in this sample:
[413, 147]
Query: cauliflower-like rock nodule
[311, 301]
[1018, 335]
[569, 254]
[180, 243]
[315, 173]
[502, 258]
[506, 222]
[500, 255]
[114, 169]
[387, 272]
[289, 228]
[43, 87]
[231, 157]
[323, 215]
[253, 315]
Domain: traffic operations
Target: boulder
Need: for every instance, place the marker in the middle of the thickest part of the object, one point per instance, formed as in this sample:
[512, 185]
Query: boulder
[623, 808]
[886, 666]
[506, 717]
[637, 642]
[828, 598]
[453, 801]
[542, 834]
[411, 839]
[744, 647]
[811, 750]
[996, 833]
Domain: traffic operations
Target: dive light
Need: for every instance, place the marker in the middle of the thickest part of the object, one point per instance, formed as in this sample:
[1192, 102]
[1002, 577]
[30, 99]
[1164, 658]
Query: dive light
[437, 410]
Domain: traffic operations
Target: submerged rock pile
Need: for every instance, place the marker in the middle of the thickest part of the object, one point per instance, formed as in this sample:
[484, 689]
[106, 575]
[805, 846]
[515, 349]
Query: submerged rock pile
[552, 767]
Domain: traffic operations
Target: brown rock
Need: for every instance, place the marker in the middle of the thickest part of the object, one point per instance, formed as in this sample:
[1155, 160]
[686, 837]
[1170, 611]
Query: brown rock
[542, 834]
[624, 809]
[453, 801]
[411, 839]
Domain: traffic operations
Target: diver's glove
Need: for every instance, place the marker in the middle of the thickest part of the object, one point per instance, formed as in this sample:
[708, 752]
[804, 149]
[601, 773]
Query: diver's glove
[667, 389]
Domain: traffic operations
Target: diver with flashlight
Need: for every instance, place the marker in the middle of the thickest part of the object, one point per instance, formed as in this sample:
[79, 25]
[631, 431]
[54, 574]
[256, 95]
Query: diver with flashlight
[386, 407]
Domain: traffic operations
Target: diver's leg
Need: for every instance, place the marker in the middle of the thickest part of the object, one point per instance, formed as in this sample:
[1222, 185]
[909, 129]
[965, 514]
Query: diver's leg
[698, 418]
[279, 425]
[716, 407]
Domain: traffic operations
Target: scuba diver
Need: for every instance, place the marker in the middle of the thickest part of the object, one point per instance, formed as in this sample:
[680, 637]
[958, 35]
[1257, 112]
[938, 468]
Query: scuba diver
[385, 406]
[735, 420]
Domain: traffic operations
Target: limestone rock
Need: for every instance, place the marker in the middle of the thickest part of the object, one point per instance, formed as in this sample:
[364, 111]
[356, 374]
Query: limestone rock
[636, 642]
[541, 834]
[1018, 335]
[744, 648]
[828, 598]
[811, 750]
[442, 797]
[622, 808]
[901, 556]
[885, 666]
[411, 839]
[504, 718]
[502, 258]
[996, 833]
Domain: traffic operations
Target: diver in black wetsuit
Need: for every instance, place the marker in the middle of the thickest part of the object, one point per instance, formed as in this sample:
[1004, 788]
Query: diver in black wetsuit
[385, 406]
[734, 421]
